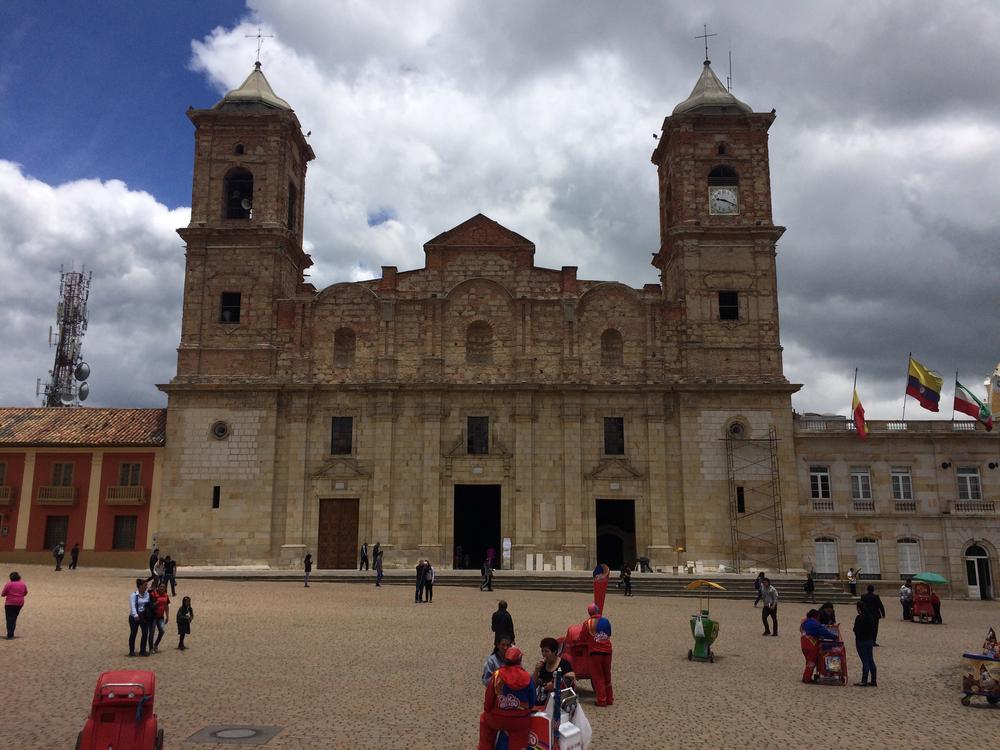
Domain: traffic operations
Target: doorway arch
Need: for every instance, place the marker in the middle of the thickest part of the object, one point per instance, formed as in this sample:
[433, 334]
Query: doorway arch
[978, 571]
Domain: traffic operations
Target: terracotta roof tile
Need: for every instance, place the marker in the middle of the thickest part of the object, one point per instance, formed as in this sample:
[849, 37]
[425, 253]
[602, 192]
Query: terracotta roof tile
[56, 426]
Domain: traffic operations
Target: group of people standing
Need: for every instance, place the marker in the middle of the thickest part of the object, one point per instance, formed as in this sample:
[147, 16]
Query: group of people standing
[425, 582]
[162, 570]
[59, 552]
[149, 613]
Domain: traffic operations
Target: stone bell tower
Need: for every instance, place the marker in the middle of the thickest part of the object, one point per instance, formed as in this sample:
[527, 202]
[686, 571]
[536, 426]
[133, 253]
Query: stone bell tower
[244, 242]
[717, 237]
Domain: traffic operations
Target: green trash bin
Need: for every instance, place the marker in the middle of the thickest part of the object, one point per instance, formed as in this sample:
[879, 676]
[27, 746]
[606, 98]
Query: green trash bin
[702, 650]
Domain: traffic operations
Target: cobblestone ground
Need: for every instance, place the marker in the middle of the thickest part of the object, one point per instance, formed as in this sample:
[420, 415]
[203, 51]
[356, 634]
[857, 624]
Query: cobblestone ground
[352, 666]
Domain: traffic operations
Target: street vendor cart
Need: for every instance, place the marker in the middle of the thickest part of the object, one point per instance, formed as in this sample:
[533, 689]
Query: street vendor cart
[703, 628]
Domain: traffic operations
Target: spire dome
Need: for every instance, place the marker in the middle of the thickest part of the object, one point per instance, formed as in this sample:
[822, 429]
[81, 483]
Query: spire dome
[254, 90]
[709, 95]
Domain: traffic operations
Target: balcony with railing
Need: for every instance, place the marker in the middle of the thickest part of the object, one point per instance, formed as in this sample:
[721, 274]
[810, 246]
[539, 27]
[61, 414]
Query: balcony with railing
[905, 506]
[7, 495]
[974, 507]
[56, 495]
[125, 495]
[863, 506]
[824, 505]
[833, 426]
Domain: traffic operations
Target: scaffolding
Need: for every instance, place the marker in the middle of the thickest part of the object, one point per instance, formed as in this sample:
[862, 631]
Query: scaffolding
[758, 535]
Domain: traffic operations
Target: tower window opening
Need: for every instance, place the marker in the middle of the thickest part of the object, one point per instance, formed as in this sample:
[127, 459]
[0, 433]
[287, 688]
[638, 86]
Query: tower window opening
[239, 149]
[722, 175]
[741, 504]
[344, 347]
[722, 149]
[729, 305]
[479, 343]
[239, 194]
[229, 310]
[293, 206]
[612, 348]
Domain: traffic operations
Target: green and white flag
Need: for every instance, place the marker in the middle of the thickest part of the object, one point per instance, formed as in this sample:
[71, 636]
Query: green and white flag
[966, 403]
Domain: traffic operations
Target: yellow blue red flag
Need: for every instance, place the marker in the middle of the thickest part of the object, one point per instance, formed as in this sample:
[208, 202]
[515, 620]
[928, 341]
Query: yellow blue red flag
[924, 385]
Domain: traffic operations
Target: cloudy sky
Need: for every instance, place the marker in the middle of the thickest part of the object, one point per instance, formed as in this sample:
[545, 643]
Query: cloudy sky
[538, 114]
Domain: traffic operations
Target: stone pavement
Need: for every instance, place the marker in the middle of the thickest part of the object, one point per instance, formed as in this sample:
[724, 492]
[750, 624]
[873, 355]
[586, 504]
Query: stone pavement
[352, 666]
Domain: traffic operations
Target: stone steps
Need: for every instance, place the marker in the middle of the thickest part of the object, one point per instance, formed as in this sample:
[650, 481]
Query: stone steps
[648, 584]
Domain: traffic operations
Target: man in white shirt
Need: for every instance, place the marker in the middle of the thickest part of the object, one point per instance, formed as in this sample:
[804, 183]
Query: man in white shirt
[770, 596]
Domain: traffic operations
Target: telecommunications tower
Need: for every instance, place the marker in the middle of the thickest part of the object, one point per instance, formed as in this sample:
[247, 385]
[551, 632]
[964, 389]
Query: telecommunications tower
[67, 384]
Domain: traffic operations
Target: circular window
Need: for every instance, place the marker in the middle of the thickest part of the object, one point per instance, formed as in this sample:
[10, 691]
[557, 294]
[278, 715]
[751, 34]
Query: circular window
[737, 429]
[220, 430]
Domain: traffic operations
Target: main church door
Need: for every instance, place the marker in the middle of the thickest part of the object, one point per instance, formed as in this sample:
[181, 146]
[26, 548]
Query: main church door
[337, 545]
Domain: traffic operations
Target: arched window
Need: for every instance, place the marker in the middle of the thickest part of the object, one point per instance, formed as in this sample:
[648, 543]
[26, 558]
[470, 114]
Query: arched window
[612, 348]
[866, 549]
[239, 194]
[975, 550]
[722, 175]
[908, 550]
[479, 343]
[344, 345]
[826, 557]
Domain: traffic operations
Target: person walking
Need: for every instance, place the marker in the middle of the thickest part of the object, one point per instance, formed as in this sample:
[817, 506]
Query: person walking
[137, 603]
[59, 552]
[597, 631]
[378, 568]
[13, 594]
[810, 588]
[363, 565]
[153, 559]
[429, 583]
[627, 578]
[161, 616]
[184, 617]
[502, 623]
[508, 704]
[307, 565]
[74, 556]
[158, 567]
[936, 603]
[376, 552]
[864, 640]
[852, 581]
[906, 598]
[871, 603]
[770, 596]
[758, 584]
[170, 574]
[487, 571]
[421, 569]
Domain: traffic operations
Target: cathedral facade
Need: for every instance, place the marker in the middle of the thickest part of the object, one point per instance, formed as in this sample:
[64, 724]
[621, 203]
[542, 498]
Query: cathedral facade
[483, 402]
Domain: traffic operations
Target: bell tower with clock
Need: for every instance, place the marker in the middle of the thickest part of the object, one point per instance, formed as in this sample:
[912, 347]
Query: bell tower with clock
[717, 238]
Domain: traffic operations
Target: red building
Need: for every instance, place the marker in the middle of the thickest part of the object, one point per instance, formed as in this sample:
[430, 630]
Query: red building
[80, 476]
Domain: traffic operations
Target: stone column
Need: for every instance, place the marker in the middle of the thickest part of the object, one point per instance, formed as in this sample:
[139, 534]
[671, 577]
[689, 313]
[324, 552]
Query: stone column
[573, 512]
[523, 499]
[94, 501]
[382, 408]
[430, 494]
[289, 516]
[155, 493]
[660, 543]
[24, 506]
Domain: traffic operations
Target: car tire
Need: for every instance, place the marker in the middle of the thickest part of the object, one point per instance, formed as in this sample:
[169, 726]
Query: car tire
[966, 700]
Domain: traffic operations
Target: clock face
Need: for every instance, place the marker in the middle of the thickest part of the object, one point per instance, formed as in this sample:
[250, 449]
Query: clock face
[723, 200]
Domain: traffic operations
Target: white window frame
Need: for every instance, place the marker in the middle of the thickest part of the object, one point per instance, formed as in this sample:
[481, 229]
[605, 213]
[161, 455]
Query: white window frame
[867, 556]
[818, 477]
[861, 484]
[969, 485]
[827, 562]
[902, 483]
[910, 560]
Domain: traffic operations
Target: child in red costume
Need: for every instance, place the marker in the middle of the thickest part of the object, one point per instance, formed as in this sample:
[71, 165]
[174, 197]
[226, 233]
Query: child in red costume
[811, 633]
[507, 705]
[597, 630]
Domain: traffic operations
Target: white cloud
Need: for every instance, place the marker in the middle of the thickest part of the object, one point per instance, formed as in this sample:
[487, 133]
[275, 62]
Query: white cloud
[128, 240]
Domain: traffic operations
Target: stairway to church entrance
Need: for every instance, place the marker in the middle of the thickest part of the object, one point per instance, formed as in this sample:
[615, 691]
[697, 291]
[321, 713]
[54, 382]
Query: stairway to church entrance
[615, 532]
[337, 545]
[477, 522]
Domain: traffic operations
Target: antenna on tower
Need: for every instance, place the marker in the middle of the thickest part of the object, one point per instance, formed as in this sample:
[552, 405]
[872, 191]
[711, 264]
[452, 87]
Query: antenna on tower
[729, 78]
[67, 384]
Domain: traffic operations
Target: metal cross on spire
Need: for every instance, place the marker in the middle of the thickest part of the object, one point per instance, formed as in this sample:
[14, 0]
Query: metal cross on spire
[705, 36]
[261, 37]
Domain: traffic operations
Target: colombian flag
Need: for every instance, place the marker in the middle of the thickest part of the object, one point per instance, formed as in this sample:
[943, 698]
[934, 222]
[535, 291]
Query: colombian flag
[859, 417]
[924, 385]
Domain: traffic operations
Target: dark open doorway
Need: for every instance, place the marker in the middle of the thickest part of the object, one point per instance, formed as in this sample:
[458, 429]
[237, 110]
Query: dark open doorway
[477, 523]
[615, 532]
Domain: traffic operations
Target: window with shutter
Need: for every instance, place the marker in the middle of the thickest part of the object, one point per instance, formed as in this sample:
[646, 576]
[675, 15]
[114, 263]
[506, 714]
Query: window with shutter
[826, 557]
[868, 562]
[909, 556]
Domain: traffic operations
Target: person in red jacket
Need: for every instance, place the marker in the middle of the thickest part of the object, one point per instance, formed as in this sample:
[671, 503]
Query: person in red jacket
[507, 705]
[597, 631]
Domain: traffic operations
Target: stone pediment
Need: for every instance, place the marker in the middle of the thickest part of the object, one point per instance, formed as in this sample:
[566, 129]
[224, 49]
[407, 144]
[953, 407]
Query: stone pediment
[341, 468]
[480, 231]
[614, 468]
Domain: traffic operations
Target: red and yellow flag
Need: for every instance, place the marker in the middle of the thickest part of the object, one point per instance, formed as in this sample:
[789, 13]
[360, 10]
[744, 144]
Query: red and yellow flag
[859, 416]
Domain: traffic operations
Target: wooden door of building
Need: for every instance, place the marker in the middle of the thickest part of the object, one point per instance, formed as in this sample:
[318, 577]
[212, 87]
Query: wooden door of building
[337, 545]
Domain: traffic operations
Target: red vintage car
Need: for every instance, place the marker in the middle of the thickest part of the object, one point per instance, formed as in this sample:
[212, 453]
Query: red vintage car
[122, 715]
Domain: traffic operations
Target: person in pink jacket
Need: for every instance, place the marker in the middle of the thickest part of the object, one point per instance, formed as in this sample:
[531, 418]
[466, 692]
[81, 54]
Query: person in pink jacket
[13, 594]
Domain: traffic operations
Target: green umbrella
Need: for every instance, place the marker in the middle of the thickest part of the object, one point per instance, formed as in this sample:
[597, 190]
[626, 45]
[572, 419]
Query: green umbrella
[930, 578]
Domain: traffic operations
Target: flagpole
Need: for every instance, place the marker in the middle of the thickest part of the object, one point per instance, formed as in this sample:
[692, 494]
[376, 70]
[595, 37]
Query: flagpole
[908, 358]
[953, 400]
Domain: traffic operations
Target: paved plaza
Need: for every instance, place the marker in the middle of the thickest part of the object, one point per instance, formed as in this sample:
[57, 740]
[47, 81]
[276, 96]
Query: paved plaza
[351, 666]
